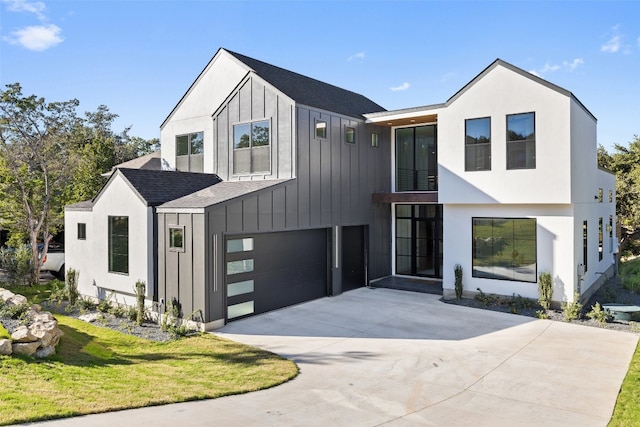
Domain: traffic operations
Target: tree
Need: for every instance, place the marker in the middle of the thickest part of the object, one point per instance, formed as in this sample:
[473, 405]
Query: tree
[625, 163]
[34, 166]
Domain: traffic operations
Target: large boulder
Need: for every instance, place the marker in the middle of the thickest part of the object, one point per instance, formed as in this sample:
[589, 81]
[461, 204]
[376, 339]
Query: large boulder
[25, 348]
[5, 347]
[6, 294]
[23, 334]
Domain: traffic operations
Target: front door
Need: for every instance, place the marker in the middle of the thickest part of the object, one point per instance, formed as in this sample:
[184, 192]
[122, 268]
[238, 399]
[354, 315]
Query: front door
[419, 240]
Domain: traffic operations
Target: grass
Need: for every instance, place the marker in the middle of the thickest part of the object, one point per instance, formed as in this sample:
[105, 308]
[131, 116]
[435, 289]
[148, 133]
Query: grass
[627, 409]
[87, 373]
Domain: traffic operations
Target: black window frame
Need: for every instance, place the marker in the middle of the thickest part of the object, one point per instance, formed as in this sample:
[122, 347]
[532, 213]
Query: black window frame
[194, 155]
[375, 140]
[350, 134]
[122, 239]
[515, 145]
[171, 238]
[499, 249]
[585, 245]
[82, 231]
[600, 239]
[476, 147]
[251, 148]
[325, 132]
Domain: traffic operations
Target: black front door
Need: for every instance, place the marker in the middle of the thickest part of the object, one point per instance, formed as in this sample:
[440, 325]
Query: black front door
[419, 240]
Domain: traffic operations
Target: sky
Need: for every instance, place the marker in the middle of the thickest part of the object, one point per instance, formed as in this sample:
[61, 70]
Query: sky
[139, 57]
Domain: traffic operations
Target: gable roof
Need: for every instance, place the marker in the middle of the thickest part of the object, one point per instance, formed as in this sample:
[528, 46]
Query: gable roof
[151, 161]
[155, 187]
[311, 92]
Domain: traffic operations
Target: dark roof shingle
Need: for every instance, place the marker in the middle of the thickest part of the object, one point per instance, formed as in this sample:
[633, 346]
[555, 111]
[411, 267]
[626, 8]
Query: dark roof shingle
[311, 92]
[157, 187]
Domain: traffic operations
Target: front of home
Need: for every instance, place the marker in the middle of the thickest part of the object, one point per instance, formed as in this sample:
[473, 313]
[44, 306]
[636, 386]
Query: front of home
[319, 190]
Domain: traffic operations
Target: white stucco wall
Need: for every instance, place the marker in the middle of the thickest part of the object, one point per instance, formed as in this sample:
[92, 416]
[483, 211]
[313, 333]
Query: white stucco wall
[555, 246]
[497, 94]
[193, 112]
[90, 257]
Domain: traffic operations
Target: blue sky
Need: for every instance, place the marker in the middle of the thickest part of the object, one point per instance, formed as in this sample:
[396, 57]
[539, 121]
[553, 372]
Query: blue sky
[139, 57]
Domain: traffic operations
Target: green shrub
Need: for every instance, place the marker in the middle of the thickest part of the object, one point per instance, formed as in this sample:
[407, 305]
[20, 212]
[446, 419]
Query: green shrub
[542, 314]
[118, 311]
[631, 282]
[4, 334]
[106, 305]
[140, 294]
[545, 290]
[18, 312]
[87, 303]
[71, 280]
[457, 270]
[572, 310]
[486, 299]
[17, 264]
[599, 314]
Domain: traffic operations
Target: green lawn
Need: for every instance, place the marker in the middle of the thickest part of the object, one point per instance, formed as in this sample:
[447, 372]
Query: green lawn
[99, 370]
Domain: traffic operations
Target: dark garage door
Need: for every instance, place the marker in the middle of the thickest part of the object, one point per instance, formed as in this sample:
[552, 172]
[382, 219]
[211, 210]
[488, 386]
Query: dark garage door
[353, 258]
[274, 270]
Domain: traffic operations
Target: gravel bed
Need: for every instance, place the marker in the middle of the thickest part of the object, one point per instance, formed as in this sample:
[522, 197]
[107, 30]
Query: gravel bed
[611, 292]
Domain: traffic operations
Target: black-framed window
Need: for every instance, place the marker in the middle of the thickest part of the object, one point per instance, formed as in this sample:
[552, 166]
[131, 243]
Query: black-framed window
[118, 244]
[521, 141]
[600, 237]
[82, 231]
[477, 152]
[375, 139]
[504, 249]
[176, 238]
[321, 129]
[416, 158]
[189, 152]
[251, 147]
[350, 134]
[585, 245]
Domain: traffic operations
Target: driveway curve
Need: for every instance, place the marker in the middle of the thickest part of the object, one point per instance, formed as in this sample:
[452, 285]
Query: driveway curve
[381, 357]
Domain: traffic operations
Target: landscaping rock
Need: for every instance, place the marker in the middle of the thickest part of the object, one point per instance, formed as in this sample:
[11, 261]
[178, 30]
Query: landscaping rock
[45, 352]
[89, 317]
[6, 294]
[16, 300]
[5, 347]
[23, 334]
[25, 348]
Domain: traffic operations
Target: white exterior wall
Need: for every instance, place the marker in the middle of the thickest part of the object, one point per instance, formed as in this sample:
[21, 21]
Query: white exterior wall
[90, 257]
[497, 94]
[555, 243]
[193, 113]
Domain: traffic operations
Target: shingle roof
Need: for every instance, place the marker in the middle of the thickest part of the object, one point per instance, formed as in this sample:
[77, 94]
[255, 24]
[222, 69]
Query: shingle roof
[219, 193]
[311, 92]
[157, 187]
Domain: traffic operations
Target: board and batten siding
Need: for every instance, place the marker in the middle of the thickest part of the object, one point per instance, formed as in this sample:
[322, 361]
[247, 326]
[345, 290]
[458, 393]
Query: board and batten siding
[255, 100]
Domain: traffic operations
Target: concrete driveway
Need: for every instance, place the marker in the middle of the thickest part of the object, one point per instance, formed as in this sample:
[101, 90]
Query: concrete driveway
[375, 357]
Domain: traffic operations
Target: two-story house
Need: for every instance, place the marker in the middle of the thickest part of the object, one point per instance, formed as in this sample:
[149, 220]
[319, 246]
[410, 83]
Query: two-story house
[298, 189]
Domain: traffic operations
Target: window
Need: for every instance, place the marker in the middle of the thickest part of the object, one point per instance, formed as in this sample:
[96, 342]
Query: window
[240, 266]
[176, 238]
[504, 248]
[585, 253]
[521, 141]
[119, 244]
[350, 135]
[189, 152]
[600, 239]
[239, 245]
[82, 231]
[321, 129]
[375, 140]
[600, 195]
[416, 159]
[610, 196]
[610, 228]
[477, 144]
[251, 152]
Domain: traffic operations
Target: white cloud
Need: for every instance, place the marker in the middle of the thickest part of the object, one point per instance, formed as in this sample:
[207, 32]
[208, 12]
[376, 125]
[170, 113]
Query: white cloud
[613, 45]
[38, 37]
[566, 66]
[403, 86]
[359, 56]
[36, 8]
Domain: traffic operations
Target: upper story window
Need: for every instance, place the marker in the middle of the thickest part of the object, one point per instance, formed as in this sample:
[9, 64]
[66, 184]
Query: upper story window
[82, 231]
[321, 129]
[251, 151]
[521, 141]
[477, 150]
[118, 244]
[600, 195]
[189, 152]
[375, 139]
[610, 196]
[416, 159]
[176, 238]
[350, 135]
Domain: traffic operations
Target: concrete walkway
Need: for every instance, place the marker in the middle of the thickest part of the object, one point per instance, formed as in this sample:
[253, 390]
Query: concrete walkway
[374, 357]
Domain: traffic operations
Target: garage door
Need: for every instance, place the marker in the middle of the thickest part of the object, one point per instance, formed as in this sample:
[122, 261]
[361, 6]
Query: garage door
[274, 270]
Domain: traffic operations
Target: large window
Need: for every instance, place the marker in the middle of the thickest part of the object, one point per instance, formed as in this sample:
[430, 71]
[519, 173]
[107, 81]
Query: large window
[189, 152]
[505, 248]
[119, 244]
[251, 152]
[416, 159]
[477, 150]
[585, 246]
[521, 141]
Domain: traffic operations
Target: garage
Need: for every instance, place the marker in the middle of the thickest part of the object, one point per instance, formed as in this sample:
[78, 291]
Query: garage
[268, 271]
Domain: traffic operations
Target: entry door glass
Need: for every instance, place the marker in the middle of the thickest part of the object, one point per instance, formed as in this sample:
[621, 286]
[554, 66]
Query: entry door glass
[419, 240]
